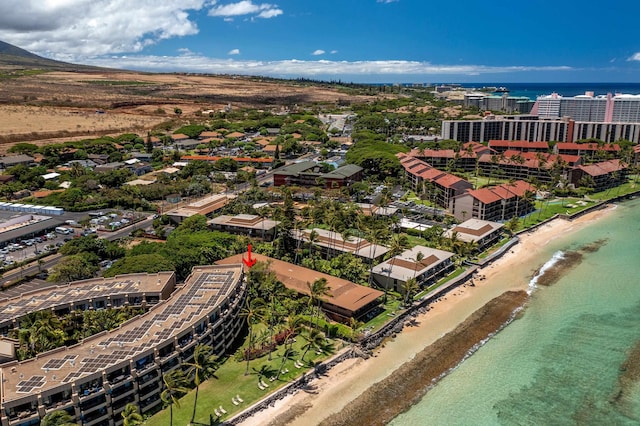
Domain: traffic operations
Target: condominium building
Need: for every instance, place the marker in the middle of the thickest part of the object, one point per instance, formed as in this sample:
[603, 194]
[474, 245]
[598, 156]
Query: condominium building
[482, 232]
[618, 108]
[532, 128]
[425, 264]
[498, 203]
[95, 379]
[333, 243]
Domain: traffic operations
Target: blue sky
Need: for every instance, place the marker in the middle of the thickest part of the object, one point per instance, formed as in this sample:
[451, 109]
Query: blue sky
[360, 41]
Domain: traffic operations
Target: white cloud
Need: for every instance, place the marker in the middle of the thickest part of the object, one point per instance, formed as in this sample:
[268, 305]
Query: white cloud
[246, 7]
[333, 52]
[634, 57]
[387, 1]
[83, 28]
[295, 67]
[234, 52]
[318, 52]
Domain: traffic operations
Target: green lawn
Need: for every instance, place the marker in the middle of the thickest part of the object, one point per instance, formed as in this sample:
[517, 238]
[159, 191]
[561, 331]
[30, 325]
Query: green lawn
[231, 381]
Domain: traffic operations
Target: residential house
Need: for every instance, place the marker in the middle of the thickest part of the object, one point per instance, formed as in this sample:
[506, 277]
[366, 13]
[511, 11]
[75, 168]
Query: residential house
[15, 160]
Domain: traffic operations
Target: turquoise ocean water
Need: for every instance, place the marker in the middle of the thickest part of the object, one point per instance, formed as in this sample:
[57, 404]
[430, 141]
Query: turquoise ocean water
[560, 362]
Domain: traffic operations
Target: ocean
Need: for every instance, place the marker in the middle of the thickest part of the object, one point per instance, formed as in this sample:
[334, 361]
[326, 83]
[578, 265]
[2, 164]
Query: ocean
[533, 90]
[572, 357]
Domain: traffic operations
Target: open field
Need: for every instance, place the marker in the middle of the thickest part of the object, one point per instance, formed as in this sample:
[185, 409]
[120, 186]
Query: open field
[57, 106]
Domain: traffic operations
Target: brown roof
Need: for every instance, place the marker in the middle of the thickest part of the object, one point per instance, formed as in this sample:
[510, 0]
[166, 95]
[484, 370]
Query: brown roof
[344, 294]
[518, 144]
[603, 168]
[592, 146]
[485, 195]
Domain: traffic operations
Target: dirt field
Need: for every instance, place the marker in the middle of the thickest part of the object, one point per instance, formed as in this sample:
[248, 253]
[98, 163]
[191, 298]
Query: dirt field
[59, 106]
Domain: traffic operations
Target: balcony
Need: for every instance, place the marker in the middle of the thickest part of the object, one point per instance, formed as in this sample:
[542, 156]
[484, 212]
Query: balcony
[95, 417]
[122, 391]
[93, 402]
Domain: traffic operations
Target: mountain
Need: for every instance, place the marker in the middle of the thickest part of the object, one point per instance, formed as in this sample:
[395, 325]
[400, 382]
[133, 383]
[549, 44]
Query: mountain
[15, 57]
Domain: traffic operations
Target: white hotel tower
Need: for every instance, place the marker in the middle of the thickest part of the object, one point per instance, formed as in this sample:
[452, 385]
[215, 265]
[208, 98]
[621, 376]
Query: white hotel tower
[557, 118]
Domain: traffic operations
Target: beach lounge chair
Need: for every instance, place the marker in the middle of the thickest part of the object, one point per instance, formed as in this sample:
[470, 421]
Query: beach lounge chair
[261, 387]
[235, 402]
[239, 399]
[216, 412]
[222, 410]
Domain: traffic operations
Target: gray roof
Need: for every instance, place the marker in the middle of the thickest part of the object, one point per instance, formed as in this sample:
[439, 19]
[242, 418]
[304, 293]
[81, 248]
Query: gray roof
[345, 171]
[295, 168]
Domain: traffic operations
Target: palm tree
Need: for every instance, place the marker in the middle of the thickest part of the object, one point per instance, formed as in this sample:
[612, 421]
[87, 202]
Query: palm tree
[58, 418]
[409, 287]
[418, 259]
[398, 244]
[317, 291]
[314, 339]
[175, 385]
[204, 365]
[314, 237]
[287, 355]
[131, 415]
[251, 312]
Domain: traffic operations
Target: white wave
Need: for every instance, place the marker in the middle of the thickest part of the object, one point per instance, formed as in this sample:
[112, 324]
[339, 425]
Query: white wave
[557, 257]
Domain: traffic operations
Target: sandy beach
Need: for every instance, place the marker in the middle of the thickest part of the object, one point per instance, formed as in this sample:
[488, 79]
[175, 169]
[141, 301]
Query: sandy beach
[351, 379]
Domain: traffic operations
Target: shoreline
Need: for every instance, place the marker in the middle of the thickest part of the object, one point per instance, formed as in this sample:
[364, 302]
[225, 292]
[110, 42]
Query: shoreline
[352, 378]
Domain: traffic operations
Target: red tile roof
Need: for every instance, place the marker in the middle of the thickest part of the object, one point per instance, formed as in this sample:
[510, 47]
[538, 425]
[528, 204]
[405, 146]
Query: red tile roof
[603, 168]
[590, 146]
[518, 144]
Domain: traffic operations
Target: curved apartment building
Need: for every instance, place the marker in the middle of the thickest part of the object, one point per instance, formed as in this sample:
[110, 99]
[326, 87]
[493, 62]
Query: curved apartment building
[95, 379]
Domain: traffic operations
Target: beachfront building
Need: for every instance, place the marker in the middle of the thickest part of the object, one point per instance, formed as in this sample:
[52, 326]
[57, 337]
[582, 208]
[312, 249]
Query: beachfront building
[600, 176]
[245, 224]
[482, 232]
[95, 379]
[532, 128]
[497, 204]
[308, 173]
[332, 243]
[425, 264]
[346, 300]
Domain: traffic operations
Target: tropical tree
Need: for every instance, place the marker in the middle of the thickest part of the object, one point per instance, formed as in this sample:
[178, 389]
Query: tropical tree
[288, 355]
[409, 287]
[314, 339]
[175, 385]
[203, 366]
[252, 312]
[131, 415]
[318, 290]
[58, 418]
